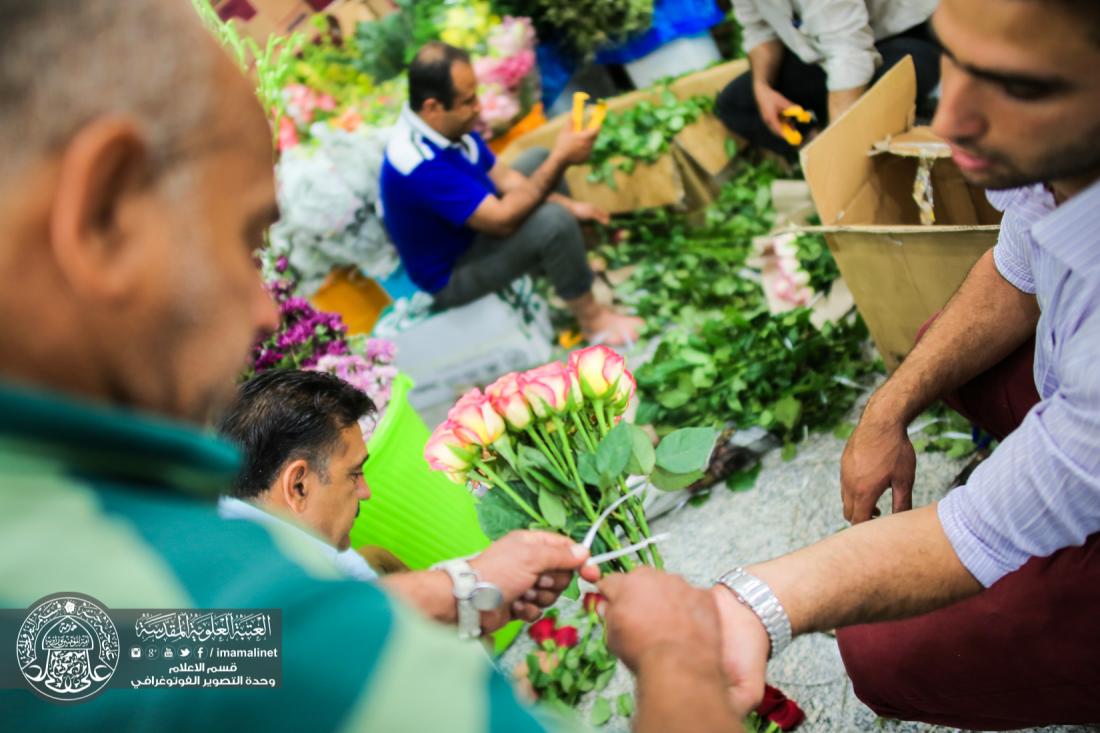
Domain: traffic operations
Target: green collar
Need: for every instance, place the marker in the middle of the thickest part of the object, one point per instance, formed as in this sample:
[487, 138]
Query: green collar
[105, 442]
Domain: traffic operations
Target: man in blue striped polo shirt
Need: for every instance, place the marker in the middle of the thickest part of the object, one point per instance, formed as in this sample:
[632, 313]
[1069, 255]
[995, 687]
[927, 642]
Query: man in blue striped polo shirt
[466, 225]
[136, 186]
[1019, 543]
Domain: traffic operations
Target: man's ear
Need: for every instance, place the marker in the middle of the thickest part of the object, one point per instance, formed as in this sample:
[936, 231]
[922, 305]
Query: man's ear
[430, 107]
[100, 171]
[293, 486]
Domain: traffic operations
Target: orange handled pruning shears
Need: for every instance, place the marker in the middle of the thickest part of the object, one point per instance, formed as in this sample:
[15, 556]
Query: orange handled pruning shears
[598, 114]
[579, 98]
[801, 118]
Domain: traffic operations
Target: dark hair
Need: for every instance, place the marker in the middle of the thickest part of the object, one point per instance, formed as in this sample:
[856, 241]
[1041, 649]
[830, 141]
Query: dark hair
[430, 74]
[286, 414]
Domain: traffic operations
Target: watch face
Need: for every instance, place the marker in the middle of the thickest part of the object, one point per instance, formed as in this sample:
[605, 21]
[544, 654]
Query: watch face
[487, 597]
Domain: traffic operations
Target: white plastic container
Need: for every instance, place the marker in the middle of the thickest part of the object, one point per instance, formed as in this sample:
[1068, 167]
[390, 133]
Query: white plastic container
[446, 353]
[681, 56]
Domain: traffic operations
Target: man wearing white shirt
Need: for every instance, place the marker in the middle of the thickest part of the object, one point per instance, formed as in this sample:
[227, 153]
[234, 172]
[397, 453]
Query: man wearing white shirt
[302, 475]
[821, 55]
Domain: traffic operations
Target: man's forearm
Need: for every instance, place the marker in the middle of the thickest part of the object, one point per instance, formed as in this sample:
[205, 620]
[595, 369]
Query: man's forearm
[893, 567]
[982, 323]
[524, 197]
[429, 591]
[765, 60]
[679, 690]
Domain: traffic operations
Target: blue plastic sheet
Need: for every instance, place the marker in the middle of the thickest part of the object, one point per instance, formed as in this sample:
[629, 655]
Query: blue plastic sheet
[672, 19]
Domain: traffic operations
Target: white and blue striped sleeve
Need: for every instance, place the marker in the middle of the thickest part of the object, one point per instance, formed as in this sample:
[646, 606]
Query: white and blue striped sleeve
[1040, 490]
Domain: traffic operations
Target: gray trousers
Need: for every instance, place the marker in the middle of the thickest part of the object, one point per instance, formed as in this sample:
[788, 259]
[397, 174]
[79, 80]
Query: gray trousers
[549, 242]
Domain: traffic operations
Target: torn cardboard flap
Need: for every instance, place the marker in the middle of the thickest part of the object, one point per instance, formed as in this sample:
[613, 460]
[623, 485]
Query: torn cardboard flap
[649, 185]
[919, 142]
[861, 171]
[668, 181]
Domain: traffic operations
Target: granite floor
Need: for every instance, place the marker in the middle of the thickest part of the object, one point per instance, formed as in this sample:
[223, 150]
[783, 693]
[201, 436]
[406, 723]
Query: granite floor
[794, 503]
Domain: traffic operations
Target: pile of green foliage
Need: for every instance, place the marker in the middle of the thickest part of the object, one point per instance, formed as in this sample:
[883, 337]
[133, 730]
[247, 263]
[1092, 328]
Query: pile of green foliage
[582, 27]
[642, 134]
[723, 358]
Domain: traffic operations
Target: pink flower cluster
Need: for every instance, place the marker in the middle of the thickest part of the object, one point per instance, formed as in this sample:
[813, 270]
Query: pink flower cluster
[505, 74]
[517, 400]
[791, 283]
[498, 107]
[508, 71]
[303, 103]
[511, 36]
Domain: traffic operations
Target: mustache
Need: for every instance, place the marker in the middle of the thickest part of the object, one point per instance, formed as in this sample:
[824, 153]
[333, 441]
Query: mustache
[968, 147]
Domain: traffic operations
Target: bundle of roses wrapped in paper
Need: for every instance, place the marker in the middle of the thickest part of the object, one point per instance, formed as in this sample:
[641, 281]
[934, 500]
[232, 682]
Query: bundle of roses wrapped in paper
[549, 449]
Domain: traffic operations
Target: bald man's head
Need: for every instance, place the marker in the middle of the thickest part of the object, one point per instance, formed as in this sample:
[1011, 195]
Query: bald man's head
[136, 186]
[65, 62]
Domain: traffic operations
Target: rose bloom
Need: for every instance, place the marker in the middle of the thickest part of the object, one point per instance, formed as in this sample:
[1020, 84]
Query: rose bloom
[598, 370]
[542, 629]
[547, 388]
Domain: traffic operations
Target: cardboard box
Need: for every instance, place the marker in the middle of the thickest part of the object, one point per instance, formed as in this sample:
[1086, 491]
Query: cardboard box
[705, 141]
[666, 182]
[655, 184]
[861, 172]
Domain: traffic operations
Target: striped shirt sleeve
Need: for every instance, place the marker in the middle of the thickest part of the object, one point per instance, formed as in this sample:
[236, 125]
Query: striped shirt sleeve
[1040, 490]
[1012, 253]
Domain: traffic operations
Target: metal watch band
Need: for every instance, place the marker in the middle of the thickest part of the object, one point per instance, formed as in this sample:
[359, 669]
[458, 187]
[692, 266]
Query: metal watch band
[465, 580]
[753, 592]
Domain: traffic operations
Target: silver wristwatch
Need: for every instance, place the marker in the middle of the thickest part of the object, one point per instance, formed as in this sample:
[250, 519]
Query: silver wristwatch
[753, 592]
[472, 596]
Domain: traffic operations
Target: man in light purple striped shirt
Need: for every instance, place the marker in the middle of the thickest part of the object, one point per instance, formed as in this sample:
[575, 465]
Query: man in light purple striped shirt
[1017, 549]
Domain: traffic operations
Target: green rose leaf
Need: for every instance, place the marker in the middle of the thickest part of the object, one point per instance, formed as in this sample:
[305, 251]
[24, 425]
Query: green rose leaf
[530, 457]
[586, 467]
[673, 398]
[743, 480]
[498, 516]
[625, 704]
[552, 509]
[844, 430]
[601, 711]
[573, 590]
[614, 451]
[666, 481]
[686, 450]
[642, 455]
[788, 411]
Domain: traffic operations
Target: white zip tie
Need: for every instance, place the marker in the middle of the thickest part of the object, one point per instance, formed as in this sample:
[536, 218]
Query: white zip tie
[591, 536]
[615, 554]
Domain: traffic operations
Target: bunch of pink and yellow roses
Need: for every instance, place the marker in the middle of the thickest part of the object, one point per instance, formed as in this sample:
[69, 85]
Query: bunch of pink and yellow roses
[548, 448]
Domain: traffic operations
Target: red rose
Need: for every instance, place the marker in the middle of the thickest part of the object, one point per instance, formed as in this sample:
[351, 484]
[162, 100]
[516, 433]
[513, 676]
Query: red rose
[773, 698]
[788, 716]
[592, 601]
[566, 636]
[542, 630]
[779, 709]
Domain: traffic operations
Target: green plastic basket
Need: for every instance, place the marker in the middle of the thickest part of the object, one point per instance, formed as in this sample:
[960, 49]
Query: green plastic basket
[416, 513]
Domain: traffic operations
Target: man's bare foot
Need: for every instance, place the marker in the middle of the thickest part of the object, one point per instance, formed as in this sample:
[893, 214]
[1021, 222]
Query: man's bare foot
[603, 324]
[612, 328]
